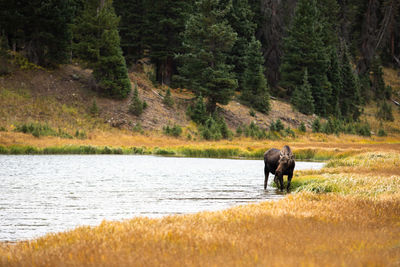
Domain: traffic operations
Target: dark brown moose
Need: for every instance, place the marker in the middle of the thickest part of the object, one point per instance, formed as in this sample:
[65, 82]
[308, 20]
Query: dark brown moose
[279, 162]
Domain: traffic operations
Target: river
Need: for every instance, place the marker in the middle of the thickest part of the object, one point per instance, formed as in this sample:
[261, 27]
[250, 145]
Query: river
[45, 194]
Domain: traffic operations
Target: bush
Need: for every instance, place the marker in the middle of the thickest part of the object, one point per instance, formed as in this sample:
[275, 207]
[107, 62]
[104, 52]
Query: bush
[168, 99]
[289, 131]
[215, 128]
[254, 131]
[175, 130]
[198, 112]
[381, 132]
[385, 112]
[302, 127]
[80, 134]
[137, 106]
[252, 112]
[37, 130]
[316, 126]
[94, 109]
[138, 128]
[276, 126]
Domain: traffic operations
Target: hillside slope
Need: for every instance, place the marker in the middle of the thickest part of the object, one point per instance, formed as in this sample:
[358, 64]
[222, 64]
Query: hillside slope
[63, 98]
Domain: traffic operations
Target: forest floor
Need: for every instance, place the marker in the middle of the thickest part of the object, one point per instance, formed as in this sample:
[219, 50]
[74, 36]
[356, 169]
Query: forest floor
[347, 213]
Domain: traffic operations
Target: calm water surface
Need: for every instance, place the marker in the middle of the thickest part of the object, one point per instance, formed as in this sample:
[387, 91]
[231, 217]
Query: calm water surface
[44, 194]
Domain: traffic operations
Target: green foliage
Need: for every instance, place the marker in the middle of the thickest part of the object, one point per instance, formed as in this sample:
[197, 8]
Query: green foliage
[381, 132]
[38, 130]
[289, 131]
[215, 128]
[276, 126]
[168, 100]
[302, 127]
[349, 99]
[253, 131]
[316, 126]
[198, 112]
[94, 109]
[80, 134]
[385, 111]
[241, 18]
[378, 84]
[254, 85]
[304, 48]
[138, 128]
[39, 29]
[97, 41]
[302, 98]
[252, 112]
[174, 130]
[131, 28]
[335, 79]
[208, 39]
[137, 106]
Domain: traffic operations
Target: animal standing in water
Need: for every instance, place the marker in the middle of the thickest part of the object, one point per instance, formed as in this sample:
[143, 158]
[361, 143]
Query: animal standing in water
[279, 162]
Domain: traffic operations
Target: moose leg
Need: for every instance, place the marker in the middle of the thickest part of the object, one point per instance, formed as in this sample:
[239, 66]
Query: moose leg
[290, 175]
[266, 173]
[280, 178]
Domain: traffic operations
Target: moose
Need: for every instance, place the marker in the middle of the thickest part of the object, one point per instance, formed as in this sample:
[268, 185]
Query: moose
[279, 162]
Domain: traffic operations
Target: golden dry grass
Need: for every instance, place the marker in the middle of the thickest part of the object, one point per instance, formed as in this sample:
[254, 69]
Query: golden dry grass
[353, 220]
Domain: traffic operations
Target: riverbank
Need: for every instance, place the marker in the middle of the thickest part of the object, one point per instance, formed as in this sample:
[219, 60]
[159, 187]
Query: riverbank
[348, 213]
[317, 147]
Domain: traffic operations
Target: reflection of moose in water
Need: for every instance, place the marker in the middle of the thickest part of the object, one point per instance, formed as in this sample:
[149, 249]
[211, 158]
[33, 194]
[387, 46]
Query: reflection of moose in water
[279, 162]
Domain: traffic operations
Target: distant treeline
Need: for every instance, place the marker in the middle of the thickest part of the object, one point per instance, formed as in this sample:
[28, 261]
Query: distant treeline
[326, 56]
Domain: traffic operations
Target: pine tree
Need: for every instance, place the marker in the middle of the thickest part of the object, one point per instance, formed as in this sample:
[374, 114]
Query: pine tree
[302, 98]
[131, 28]
[304, 48]
[164, 24]
[349, 99]
[240, 17]
[208, 40]
[255, 89]
[98, 42]
[335, 79]
[40, 29]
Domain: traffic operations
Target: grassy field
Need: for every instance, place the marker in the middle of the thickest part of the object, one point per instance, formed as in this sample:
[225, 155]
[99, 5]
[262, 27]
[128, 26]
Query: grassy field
[347, 214]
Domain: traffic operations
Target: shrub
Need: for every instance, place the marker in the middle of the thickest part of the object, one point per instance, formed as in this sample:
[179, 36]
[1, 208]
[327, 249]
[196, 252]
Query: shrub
[276, 126]
[385, 112]
[252, 112]
[381, 132]
[254, 131]
[198, 112]
[168, 99]
[175, 130]
[80, 134]
[137, 106]
[215, 128]
[138, 128]
[316, 126]
[289, 131]
[302, 127]
[37, 130]
[94, 109]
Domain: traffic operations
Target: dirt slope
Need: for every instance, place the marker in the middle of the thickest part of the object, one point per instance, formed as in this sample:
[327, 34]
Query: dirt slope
[71, 86]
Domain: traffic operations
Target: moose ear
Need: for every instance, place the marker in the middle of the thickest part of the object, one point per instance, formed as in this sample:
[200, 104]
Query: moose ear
[292, 157]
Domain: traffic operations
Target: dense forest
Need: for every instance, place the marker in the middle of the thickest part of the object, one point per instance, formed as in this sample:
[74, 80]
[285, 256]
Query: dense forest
[324, 56]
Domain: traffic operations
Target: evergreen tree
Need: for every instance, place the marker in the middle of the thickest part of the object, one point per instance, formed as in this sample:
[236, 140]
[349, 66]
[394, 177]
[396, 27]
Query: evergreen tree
[349, 99]
[335, 79]
[137, 106]
[131, 28]
[304, 48]
[208, 40]
[302, 98]
[98, 42]
[40, 29]
[240, 17]
[255, 89]
[164, 24]
[378, 84]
